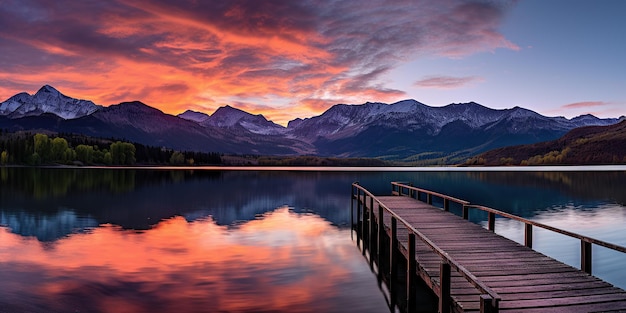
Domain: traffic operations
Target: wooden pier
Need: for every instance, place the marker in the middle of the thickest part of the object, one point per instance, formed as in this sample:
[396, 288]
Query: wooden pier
[468, 267]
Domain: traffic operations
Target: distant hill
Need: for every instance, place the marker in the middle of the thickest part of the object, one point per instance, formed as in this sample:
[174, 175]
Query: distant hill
[584, 145]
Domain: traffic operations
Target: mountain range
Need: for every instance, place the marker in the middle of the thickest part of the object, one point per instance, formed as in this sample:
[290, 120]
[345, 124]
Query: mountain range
[406, 130]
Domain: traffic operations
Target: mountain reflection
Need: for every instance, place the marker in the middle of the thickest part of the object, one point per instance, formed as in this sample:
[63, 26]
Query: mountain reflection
[32, 198]
[278, 262]
[46, 227]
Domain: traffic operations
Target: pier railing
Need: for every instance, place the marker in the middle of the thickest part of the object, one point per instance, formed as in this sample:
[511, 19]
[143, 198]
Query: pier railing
[489, 299]
[404, 189]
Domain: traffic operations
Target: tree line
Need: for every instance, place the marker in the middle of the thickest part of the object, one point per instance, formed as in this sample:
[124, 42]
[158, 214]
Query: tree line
[39, 149]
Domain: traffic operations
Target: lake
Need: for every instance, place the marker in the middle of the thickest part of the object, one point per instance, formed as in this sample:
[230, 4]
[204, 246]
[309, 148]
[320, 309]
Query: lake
[255, 240]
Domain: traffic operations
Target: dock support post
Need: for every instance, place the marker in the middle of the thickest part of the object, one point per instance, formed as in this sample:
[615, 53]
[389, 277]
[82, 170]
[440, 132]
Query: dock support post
[411, 275]
[491, 221]
[585, 256]
[444, 295]
[352, 228]
[393, 260]
[487, 304]
[528, 235]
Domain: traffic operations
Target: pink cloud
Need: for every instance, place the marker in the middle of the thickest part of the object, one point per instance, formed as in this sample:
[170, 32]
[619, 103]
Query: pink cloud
[584, 104]
[447, 82]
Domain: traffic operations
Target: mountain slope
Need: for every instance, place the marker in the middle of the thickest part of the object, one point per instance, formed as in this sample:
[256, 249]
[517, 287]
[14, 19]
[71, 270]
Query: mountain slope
[584, 145]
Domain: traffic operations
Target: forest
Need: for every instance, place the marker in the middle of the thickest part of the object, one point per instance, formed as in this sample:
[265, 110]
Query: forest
[25, 148]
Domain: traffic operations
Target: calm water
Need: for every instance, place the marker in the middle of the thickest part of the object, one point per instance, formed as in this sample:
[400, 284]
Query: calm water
[145, 240]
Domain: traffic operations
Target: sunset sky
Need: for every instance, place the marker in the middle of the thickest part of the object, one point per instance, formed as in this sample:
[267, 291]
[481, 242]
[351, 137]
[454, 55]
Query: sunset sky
[288, 59]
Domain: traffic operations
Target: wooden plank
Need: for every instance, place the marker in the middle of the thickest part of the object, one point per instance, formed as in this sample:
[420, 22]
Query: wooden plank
[560, 294]
[561, 301]
[556, 287]
[614, 306]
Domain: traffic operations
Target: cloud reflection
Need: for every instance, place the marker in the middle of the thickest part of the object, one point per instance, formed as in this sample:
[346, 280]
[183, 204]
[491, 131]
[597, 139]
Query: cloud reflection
[282, 262]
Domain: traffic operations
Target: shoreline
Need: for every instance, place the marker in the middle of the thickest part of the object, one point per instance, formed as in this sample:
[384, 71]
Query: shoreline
[550, 168]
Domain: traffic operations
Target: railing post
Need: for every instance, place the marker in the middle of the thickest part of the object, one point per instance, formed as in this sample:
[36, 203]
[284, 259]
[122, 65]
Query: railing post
[411, 274]
[446, 204]
[488, 305]
[585, 256]
[444, 279]
[381, 229]
[419, 195]
[528, 235]
[371, 230]
[491, 222]
[429, 198]
[358, 229]
[465, 212]
[393, 267]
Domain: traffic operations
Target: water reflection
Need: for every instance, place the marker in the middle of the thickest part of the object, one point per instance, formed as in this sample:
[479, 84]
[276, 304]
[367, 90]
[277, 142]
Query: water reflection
[278, 262]
[43, 209]
[46, 226]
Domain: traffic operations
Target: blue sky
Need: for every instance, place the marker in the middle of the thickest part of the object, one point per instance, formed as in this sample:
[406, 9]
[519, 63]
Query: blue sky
[570, 61]
[289, 59]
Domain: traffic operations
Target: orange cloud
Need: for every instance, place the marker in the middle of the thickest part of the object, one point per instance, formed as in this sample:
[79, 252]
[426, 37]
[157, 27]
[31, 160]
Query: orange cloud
[175, 55]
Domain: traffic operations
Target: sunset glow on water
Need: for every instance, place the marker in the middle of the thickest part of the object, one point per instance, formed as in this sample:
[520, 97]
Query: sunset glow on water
[278, 262]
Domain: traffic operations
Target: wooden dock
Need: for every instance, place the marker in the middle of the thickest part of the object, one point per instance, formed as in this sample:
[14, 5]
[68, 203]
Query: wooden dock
[468, 267]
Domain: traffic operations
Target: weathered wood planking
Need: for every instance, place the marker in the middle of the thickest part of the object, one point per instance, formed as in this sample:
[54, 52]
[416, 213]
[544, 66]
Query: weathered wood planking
[526, 280]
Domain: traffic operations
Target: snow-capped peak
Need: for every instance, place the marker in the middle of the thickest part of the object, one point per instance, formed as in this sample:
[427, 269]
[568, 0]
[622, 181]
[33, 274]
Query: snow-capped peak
[46, 100]
[229, 117]
[194, 116]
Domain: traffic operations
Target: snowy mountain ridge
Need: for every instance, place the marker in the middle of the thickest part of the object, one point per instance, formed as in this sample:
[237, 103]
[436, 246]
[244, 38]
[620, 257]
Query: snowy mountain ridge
[46, 100]
[347, 120]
